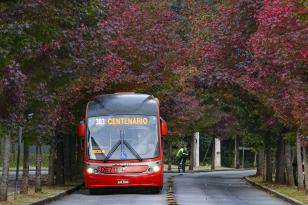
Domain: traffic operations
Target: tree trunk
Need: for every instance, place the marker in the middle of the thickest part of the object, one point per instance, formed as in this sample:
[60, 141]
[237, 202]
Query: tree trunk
[255, 159]
[5, 167]
[213, 155]
[1, 147]
[294, 163]
[38, 161]
[13, 150]
[280, 162]
[300, 177]
[260, 162]
[288, 164]
[66, 159]
[236, 153]
[59, 162]
[243, 154]
[79, 165]
[306, 168]
[191, 164]
[73, 158]
[51, 163]
[269, 167]
[169, 154]
[25, 172]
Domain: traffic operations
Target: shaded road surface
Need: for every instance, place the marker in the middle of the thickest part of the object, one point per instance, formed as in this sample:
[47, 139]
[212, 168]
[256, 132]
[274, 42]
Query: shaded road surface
[218, 188]
[208, 188]
[83, 197]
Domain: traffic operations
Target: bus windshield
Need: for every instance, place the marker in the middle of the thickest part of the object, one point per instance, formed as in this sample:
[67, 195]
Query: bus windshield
[122, 137]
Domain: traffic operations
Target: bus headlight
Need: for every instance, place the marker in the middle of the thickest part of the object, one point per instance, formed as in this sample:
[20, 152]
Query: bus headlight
[156, 168]
[90, 170]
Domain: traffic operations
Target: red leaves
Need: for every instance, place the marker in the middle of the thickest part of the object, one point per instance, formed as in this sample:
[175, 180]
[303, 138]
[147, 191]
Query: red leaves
[277, 47]
[261, 46]
[212, 51]
[13, 101]
[13, 83]
[187, 107]
[141, 35]
[145, 45]
[304, 55]
[275, 15]
[252, 84]
[114, 65]
[134, 46]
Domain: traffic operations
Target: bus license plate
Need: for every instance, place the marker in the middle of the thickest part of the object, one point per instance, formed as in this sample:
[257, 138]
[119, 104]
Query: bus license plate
[123, 181]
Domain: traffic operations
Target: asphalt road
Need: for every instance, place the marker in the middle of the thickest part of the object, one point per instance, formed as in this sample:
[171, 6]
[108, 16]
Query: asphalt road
[130, 196]
[208, 188]
[218, 188]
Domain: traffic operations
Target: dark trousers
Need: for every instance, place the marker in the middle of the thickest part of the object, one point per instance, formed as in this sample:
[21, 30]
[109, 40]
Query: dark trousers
[183, 159]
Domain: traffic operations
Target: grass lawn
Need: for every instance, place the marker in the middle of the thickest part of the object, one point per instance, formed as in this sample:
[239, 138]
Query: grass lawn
[288, 191]
[33, 197]
[31, 160]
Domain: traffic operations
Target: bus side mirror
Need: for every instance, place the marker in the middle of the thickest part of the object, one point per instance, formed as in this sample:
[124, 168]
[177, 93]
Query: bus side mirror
[163, 128]
[82, 129]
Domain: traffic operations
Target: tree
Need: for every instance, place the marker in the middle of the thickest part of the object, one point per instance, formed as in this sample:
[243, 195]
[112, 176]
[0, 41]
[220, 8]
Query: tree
[25, 173]
[279, 66]
[38, 162]
[5, 168]
[305, 165]
[280, 161]
[289, 169]
[300, 176]
[11, 107]
[236, 153]
[233, 68]
[51, 162]
[256, 45]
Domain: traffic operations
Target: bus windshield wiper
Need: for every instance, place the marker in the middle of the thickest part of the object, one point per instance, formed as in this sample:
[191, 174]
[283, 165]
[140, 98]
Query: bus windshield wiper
[114, 148]
[133, 151]
[122, 142]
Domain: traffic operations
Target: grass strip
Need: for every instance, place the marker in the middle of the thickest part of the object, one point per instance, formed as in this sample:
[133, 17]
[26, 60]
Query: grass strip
[292, 192]
[32, 197]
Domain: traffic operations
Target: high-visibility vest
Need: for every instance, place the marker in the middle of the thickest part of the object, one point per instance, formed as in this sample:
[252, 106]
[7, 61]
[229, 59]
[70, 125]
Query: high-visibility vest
[181, 152]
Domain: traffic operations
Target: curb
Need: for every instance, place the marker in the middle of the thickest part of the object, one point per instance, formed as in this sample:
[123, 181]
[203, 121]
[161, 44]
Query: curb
[275, 193]
[56, 197]
[208, 170]
[170, 193]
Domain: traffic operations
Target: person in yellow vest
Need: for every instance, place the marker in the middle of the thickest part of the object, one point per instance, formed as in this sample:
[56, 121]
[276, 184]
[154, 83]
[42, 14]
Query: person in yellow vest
[181, 156]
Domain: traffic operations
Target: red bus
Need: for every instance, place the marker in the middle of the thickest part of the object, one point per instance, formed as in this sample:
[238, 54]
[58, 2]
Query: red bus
[122, 142]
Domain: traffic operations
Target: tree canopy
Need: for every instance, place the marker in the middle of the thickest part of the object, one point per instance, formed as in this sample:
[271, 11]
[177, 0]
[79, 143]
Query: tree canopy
[56, 56]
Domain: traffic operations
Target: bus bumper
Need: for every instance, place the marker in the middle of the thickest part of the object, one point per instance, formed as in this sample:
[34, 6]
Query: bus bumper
[110, 181]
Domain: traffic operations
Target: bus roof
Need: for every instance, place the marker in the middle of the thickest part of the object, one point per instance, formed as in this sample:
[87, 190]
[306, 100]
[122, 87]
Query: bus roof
[122, 104]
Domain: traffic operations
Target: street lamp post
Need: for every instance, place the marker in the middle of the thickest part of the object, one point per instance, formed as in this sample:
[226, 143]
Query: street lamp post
[28, 115]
